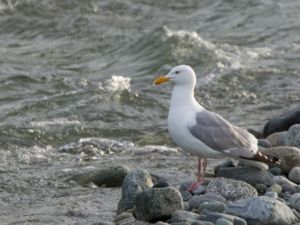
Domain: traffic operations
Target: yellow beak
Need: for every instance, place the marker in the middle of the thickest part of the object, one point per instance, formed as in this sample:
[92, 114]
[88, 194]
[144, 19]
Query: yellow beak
[160, 80]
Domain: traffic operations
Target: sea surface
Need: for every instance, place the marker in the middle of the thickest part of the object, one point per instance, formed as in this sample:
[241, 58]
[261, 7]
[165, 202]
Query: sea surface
[76, 88]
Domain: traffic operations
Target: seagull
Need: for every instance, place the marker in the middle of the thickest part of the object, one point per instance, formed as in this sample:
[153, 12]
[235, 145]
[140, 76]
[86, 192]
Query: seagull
[203, 133]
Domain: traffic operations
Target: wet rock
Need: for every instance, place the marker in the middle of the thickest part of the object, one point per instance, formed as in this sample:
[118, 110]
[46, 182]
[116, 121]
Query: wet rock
[157, 204]
[287, 185]
[294, 201]
[275, 170]
[231, 189]
[134, 183]
[222, 221]
[215, 206]
[277, 139]
[183, 216]
[294, 175]
[275, 188]
[197, 200]
[282, 122]
[213, 217]
[265, 143]
[250, 175]
[293, 136]
[262, 210]
[290, 156]
[261, 188]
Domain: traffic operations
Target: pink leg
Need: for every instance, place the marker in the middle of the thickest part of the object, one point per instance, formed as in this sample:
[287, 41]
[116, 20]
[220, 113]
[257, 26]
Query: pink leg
[202, 163]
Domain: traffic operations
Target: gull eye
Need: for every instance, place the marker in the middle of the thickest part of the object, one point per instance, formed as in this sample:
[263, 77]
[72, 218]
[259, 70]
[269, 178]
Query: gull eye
[177, 72]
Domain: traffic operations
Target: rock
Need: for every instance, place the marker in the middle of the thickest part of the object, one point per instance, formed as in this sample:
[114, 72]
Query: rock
[282, 122]
[134, 183]
[183, 216]
[110, 177]
[262, 210]
[213, 217]
[222, 221]
[230, 189]
[293, 136]
[160, 223]
[265, 143]
[275, 170]
[197, 200]
[157, 204]
[261, 188]
[214, 206]
[161, 183]
[287, 185]
[295, 201]
[201, 223]
[224, 164]
[277, 139]
[271, 194]
[103, 223]
[294, 175]
[290, 156]
[275, 188]
[186, 195]
[124, 219]
[186, 184]
[181, 223]
[250, 175]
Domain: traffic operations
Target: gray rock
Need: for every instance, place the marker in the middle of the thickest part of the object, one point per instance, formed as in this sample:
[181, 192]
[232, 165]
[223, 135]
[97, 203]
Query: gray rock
[181, 223]
[214, 206]
[201, 223]
[224, 164]
[294, 201]
[275, 188]
[157, 204]
[265, 143]
[231, 189]
[277, 139]
[186, 184]
[294, 175]
[261, 188]
[186, 195]
[275, 170]
[293, 136]
[222, 221]
[262, 210]
[271, 194]
[213, 217]
[134, 183]
[110, 177]
[183, 216]
[197, 200]
[160, 223]
[289, 156]
[287, 185]
[103, 223]
[250, 175]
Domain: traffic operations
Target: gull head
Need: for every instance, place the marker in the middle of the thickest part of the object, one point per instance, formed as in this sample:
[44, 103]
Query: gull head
[179, 75]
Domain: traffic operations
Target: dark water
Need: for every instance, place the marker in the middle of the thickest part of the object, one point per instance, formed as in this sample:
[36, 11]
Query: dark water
[83, 69]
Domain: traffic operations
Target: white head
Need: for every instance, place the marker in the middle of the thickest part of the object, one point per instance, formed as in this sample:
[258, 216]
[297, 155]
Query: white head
[179, 75]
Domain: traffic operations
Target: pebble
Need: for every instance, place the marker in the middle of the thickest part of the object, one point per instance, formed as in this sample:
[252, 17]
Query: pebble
[224, 164]
[271, 194]
[213, 217]
[261, 188]
[275, 170]
[134, 183]
[262, 210]
[161, 183]
[287, 185]
[293, 135]
[183, 216]
[277, 139]
[282, 122]
[197, 200]
[186, 184]
[294, 201]
[265, 143]
[230, 189]
[290, 156]
[222, 221]
[213, 206]
[186, 196]
[181, 223]
[294, 175]
[275, 188]
[250, 175]
[157, 204]
[201, 223]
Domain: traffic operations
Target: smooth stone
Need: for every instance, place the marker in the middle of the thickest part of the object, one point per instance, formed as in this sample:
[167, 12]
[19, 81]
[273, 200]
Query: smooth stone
[134, 183]
[230, 189]
[294, 201]
[183, 216]
[186, 184]
[289, 156]
[286, 184]
[262, 210]
[213, 217]
[293, 136]
[250, 175]
[199, 190]
[103, 223]
[294, 175]
[275, 170]
[222, 221]
[110, 177]
[181, 223]
[160, 223]
[215, 206]
[275, 188]
[261, 188]
[282, 122]
[186, 196]
[197, 200]
[161, 183]
[224, 164]
[201, 223]
[157, 204]
[186, 206]
[271, 194]
[277, 139]
[265, 143]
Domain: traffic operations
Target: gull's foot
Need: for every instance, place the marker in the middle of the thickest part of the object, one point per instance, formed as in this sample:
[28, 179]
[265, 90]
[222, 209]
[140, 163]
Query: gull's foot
[194, 186]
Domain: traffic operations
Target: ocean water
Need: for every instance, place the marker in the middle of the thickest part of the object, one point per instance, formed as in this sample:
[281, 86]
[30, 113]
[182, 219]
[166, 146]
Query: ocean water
[74, 72]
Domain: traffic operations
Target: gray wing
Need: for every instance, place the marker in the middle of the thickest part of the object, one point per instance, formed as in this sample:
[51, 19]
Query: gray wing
[217, 133]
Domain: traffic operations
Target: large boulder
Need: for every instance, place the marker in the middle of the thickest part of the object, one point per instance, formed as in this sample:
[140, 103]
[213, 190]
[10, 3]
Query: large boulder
[156, 204]
[230, 189]
[133, 184]
[262, 210]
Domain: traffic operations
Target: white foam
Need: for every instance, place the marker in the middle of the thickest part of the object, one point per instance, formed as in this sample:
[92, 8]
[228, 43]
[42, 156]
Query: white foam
[54, 122]
[116, 83]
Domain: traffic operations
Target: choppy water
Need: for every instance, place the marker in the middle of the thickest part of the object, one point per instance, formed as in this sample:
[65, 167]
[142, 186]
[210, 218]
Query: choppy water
[84, 69]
